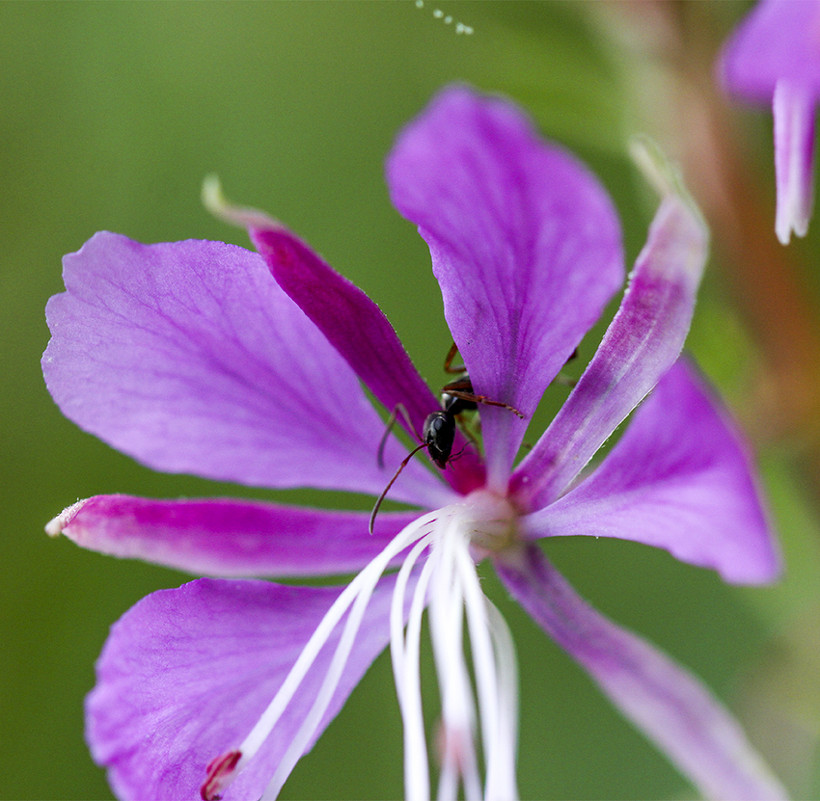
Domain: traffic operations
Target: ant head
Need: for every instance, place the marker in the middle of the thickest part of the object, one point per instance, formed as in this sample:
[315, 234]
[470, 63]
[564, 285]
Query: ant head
[438, 435]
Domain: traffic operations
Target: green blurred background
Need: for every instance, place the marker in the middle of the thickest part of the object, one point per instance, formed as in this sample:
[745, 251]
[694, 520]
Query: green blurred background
[110, 116]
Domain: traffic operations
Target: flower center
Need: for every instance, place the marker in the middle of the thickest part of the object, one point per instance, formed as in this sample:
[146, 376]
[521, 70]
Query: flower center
[490, 521]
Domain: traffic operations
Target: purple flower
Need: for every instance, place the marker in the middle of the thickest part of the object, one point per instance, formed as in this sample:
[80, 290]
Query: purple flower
[773, 58]
[206, 358]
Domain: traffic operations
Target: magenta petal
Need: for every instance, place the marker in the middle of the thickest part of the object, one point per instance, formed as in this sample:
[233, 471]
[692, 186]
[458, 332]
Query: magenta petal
[640, 345]
[679, 479]
[186, 673]
[525, 245]
[776, 41]
[225, 537]
[190, 358]
[794, 112]
[360, 332]
[349, 319]
[670, 706]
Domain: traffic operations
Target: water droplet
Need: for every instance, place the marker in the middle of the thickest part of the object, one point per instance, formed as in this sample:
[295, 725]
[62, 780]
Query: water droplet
[448, 19]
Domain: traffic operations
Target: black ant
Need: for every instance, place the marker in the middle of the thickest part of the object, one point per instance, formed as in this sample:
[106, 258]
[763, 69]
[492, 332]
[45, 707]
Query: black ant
[439, 430]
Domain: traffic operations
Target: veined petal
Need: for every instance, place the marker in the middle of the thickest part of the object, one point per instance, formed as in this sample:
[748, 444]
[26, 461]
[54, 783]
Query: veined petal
[669, 705]
[640, 345]
[525, 245]
[680, 479]
[186, 673]
[189, 357]
[226, 537]
[793, 109]
[349, 319]
[776, 41]
[361, 333]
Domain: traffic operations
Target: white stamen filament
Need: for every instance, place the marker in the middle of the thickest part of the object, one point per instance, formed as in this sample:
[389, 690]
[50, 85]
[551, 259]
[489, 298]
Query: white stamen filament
[325, 694]
[507, 671]
[407, 673]
[457, 593]
[449, 583]
[483, 666]
[398, 653]
[446, 629]
[368, 577]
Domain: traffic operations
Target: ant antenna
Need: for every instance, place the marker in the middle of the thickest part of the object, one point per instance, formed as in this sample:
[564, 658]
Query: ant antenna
[471, 398]
[391, 421]
[390, 484]
[462, 388]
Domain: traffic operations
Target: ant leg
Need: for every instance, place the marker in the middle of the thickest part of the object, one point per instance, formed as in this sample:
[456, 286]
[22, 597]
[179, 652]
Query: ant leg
[457, 456]
[448, 361]
[463, 388]
[471, 397]
[390, 484]
[399, 408]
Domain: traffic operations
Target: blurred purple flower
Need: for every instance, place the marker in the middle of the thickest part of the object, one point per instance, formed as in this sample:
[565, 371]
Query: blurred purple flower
[206, 358]
[773, 58]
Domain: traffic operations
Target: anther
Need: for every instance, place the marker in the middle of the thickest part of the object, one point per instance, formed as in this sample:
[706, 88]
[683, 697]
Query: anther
[220, 773]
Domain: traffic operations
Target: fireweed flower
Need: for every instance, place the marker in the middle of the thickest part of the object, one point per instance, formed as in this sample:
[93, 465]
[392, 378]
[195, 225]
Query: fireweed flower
[206, 358]
[773, 58]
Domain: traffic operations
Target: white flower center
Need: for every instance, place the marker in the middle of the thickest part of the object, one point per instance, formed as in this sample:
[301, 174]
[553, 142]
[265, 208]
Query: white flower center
[479, 696]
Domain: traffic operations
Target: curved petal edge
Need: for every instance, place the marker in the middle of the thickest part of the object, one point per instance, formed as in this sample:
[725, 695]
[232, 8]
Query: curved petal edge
[679, 478]
[189, 357]
[186, 673]
[642, 342]
[525, 244]
[228, 537]
[670, 706]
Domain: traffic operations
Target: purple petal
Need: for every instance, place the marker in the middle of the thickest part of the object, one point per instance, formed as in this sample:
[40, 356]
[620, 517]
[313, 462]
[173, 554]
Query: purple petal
[524, 241]
[672, 708]
[679, 479]
[349, 319]
[360, 332]
[776, 41]
[190, 358]
[225, 537]
[642, 342]
[793, 109]
[186, 673]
